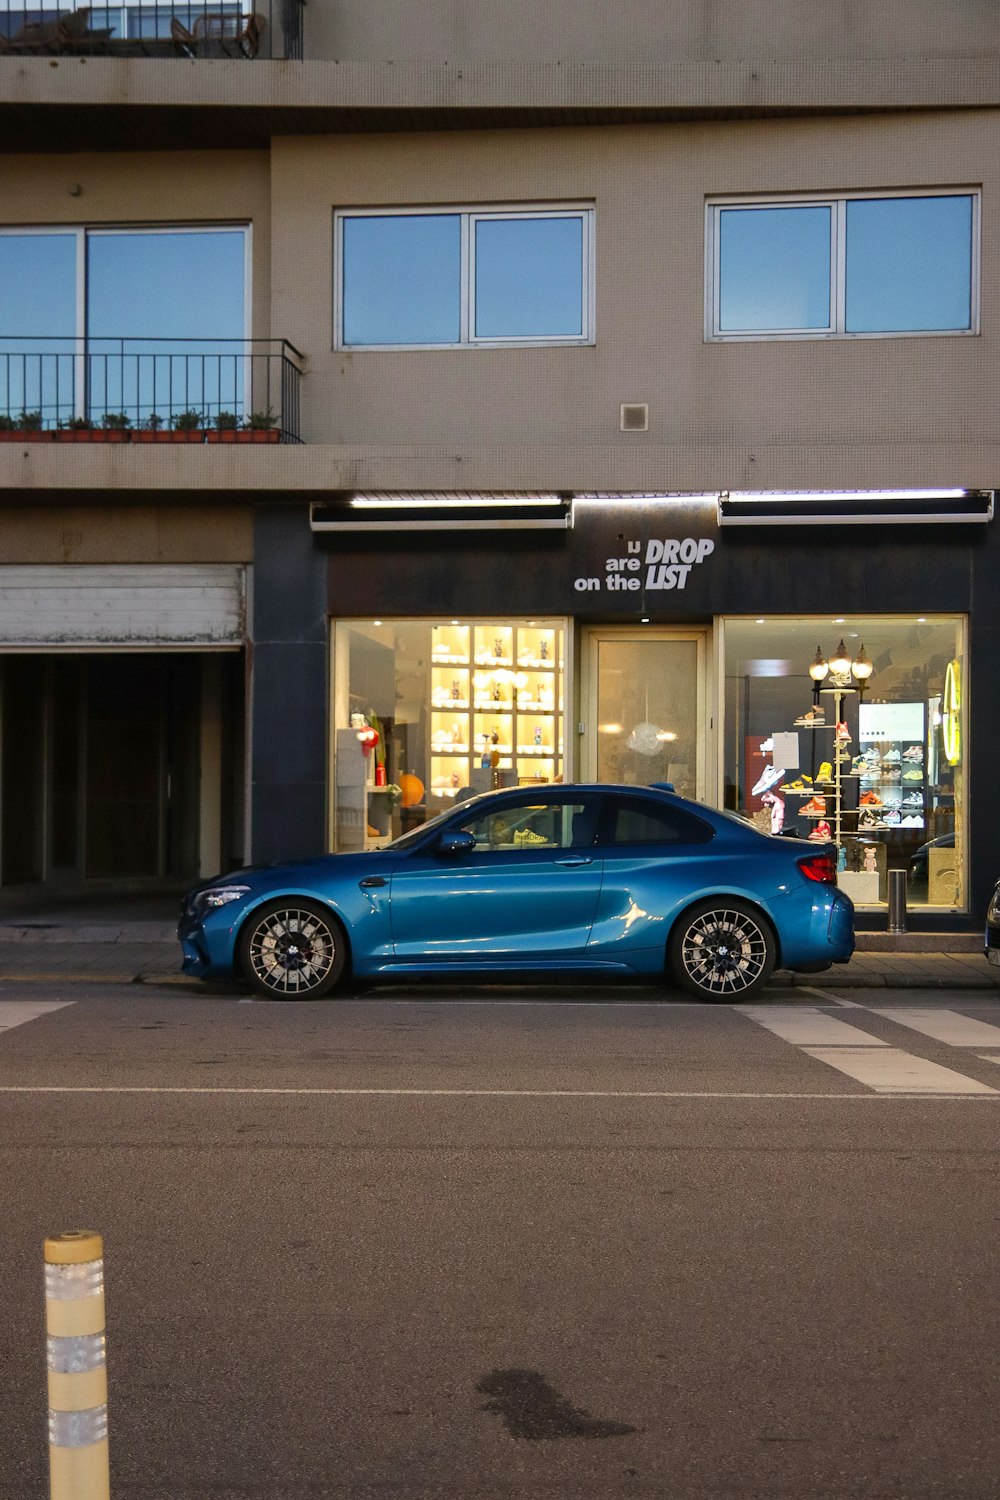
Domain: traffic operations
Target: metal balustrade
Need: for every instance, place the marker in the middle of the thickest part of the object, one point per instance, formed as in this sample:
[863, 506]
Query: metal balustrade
[149, 390]
[152, 28]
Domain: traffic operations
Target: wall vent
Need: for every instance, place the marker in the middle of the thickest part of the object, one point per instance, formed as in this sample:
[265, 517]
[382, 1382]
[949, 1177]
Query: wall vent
[634, 416]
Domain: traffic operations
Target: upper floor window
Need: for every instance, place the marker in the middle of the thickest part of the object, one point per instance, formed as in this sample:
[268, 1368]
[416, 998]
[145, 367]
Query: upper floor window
[135, 320]
[420, 279]
[836, 266]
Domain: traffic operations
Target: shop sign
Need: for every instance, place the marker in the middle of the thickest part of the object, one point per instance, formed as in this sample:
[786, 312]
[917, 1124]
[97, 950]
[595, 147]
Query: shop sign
[656, 564]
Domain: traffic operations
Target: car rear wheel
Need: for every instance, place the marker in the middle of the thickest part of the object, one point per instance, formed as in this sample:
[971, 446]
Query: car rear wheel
[292, 950]
[722, 950]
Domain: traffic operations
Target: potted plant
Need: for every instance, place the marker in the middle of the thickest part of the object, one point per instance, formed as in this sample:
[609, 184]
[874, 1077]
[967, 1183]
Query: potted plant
[261, 427]
[11, 429]
[152, 430]
[115, 428]
[226, 429]
[27, 428]
[188, 427]
[76, 430]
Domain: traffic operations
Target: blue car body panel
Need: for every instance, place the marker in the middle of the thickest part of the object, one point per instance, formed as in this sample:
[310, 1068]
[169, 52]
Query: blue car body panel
[606, 908]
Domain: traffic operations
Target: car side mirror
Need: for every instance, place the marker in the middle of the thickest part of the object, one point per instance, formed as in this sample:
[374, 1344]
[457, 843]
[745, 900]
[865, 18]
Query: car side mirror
[456, 843]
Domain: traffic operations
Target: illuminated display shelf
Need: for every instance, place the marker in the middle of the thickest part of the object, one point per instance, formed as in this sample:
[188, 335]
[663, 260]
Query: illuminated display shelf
[509, 681]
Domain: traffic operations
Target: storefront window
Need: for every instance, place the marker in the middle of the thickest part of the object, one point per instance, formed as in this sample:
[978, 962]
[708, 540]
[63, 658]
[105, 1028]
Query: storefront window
[873, 762]
[429, 712]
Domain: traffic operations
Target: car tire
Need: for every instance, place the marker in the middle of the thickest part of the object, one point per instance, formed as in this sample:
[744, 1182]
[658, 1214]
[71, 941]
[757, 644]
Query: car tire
[292, 950]
[722, 950]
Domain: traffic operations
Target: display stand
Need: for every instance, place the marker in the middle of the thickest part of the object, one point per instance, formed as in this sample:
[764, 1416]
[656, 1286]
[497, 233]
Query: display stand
[833, 791]
[496, 696]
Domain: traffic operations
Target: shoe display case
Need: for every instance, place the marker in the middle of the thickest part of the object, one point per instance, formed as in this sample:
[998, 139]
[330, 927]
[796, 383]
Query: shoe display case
[893, 780]
[828, 795]
[497, 705]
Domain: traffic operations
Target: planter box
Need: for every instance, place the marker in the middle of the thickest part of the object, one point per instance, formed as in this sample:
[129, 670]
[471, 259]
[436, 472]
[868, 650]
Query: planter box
[169, 435]
[92, 435]
[244, 435]
[31, 435]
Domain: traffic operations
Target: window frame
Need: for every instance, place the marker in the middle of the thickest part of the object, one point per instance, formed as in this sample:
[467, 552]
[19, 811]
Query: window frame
[617, 802]
[81, 235]
[837, 204]
[469, 217]
[585, 802]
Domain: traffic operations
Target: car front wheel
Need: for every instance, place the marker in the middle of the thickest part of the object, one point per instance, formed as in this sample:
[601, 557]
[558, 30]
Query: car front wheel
[292, 950]
[722, 950]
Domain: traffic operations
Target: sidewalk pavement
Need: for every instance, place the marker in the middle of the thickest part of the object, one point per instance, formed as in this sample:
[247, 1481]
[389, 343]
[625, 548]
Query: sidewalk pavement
[146, 952]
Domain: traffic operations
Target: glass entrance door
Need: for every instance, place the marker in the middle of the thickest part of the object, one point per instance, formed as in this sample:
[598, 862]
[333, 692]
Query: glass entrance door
[647, 718]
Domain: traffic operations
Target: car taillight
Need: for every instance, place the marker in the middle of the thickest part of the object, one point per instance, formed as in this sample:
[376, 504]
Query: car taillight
[821, 867]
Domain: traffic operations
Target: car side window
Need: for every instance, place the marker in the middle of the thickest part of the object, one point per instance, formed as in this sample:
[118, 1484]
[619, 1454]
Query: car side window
[535, 825]
[636, 821]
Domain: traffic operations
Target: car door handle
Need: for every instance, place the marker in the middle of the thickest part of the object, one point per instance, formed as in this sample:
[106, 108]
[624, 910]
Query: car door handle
[370, 882]
[572, 860]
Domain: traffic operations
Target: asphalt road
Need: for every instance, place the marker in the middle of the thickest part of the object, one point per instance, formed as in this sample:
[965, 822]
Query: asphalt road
[513, 1243]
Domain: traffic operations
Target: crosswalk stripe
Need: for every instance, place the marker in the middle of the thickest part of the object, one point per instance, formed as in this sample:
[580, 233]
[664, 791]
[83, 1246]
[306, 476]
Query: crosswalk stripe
[17, 1012]
[943, 1026]
[894, 1072]
[806, 1026]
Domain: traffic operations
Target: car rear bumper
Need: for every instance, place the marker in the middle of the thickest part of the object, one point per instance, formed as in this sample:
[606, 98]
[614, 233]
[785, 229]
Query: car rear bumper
[823, 933]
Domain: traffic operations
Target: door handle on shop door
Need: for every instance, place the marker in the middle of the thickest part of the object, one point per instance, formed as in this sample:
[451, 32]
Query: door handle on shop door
[572, 860]
[372, 881]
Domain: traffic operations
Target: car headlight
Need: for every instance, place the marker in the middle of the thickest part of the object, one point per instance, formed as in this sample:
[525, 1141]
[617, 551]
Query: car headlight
[219, 895]
[993, 910]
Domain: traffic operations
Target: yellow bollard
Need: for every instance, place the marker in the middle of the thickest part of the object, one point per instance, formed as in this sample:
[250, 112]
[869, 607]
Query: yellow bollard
[78, 1376]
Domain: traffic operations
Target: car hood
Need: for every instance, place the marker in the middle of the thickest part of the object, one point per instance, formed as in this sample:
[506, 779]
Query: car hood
[294, 872]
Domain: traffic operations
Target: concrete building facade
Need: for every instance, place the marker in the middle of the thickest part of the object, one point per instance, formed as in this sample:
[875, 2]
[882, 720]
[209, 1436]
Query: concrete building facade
[540, 387]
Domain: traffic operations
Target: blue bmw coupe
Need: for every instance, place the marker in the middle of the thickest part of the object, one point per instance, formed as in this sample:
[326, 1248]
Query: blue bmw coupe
[588, 880]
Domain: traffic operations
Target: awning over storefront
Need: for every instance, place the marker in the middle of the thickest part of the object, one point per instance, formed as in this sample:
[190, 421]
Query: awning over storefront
[493, 510]
[854, 507]
[455, 511]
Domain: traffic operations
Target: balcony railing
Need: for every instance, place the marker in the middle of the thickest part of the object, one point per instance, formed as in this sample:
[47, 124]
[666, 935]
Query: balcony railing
[149, 390]
[155, 28]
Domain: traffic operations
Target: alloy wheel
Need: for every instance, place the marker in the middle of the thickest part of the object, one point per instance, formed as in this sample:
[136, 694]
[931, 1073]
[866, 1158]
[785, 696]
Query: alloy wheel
[724, 953]
[292, 952]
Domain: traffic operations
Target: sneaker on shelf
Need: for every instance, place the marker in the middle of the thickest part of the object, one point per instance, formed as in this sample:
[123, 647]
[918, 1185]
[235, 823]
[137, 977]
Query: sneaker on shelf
[914, 773]
[914, 753]
[890, 773]
[825, 772]
[812, 718]
[821, 832]
[911, 821]
[873, 755]
[858, 765]
[870, 776]
[913, 799]
[891, 757]
[843, 734]
[767, 745]
[800, 784]
[815, 807]
[867, 819]
[892, 816]
[870, 799]
[769, 777]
